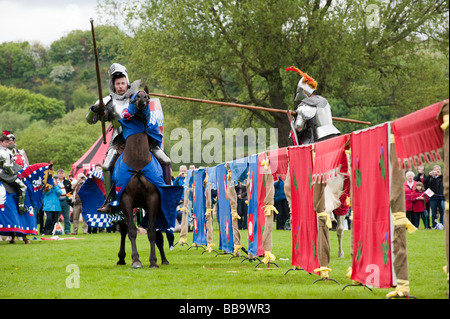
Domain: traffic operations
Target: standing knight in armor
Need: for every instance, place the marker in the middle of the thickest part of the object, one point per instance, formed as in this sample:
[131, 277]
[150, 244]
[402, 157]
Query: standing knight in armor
[8, 173]
[314, 122]
[119, 99]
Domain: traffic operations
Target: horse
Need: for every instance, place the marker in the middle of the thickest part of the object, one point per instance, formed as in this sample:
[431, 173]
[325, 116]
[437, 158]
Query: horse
[140, 193]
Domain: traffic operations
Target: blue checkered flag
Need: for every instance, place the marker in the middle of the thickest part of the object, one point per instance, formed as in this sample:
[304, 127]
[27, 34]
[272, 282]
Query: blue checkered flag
[92, 198]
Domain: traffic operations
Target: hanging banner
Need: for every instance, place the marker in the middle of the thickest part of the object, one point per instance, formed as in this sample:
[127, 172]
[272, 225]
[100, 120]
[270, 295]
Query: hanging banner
[278, 163]
[239, 170]
[199, 208]
[212, 180]
[224, 211]
[255, 216]
[372, 228]
[304, 219]
[418, 136]
[330, 155]
[10, 219]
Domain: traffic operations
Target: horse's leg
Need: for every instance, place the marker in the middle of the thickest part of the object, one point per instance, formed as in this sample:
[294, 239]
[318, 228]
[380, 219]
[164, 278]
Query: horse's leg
[160, 245]
[151, 233]
[127, 209]
[152, 204]
[340, 233]
[123, 234]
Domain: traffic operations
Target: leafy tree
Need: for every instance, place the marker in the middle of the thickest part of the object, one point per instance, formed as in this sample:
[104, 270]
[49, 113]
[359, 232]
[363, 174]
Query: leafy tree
[19, 62]
[60, 73]
[64, 142]
[14, 122]
[37, 106]
[74, 48]
[369, 55]
[82, 97]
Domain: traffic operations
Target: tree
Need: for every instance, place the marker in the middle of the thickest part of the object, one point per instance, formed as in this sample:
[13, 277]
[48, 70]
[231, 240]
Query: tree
[19, 62]
[37, 106]
[361, 54]
[74, 48]
[63, 142]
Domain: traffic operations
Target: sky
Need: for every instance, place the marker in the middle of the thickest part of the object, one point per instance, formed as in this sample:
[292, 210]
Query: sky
[44, 20]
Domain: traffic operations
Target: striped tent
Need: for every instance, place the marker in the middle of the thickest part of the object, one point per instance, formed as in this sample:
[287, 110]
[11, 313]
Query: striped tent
[95, 155]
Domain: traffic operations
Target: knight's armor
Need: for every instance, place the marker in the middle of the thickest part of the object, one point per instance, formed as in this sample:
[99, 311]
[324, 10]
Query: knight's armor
[114, 106]
[313, 122]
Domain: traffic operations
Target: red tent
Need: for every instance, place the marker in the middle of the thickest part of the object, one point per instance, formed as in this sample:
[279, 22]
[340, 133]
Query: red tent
[95, 155]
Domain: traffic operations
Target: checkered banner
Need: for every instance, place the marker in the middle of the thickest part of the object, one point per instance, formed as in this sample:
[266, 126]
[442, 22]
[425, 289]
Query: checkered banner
[92, 197]
[101, 220]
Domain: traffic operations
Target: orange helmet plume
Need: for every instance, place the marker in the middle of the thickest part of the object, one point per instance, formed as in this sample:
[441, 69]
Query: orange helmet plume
[306, 78]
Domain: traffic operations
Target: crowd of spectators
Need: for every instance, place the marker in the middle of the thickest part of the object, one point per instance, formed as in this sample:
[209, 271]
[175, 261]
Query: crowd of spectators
[424, 196]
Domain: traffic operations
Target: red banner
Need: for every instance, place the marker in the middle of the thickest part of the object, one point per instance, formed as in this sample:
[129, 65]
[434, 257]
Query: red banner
[418, 136]
[278, 162]
[372, 251]
[330, 154]
[304, 219]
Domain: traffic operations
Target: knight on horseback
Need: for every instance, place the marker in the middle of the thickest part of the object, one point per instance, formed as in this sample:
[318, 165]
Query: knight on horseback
[116, 102]
[314, 122]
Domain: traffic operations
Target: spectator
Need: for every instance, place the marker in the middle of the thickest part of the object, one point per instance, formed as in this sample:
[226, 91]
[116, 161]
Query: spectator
[420, 177]
[281, 204]
[77, 207]
[66, 191]
[52, 205]
[420, 174]
[179, 180]
[434, 181]
[409, 187]
[419, 200]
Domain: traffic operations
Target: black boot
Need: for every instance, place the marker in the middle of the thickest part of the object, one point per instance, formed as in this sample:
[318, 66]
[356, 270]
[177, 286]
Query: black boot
[105, 208]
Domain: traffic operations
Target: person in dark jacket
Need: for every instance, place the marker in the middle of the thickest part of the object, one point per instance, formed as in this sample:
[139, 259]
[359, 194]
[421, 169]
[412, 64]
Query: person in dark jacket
[242, 208]
[435, 182]
[281, 204]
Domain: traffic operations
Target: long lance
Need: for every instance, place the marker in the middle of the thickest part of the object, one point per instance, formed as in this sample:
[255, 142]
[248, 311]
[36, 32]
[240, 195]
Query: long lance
[101, 104]
[250, 107]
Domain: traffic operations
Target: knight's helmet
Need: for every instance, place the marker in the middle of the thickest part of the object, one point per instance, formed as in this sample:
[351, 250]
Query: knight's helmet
[116, 70]
[305, 87]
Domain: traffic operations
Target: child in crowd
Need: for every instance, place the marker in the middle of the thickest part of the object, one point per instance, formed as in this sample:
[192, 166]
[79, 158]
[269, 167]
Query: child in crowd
[419, 198]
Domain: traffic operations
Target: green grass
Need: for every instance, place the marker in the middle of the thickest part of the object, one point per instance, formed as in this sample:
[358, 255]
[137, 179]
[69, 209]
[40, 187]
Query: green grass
[39, 271]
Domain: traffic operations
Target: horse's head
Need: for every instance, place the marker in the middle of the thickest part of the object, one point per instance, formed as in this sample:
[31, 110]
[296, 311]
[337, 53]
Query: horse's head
[141, 100]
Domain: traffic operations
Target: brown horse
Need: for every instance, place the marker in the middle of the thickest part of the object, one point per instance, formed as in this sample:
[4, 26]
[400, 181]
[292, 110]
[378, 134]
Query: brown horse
[139, 193]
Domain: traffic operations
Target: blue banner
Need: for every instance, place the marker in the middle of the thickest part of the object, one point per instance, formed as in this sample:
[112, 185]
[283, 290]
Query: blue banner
[11, 220]
[92, 197]
[199, 207]
[224, 211]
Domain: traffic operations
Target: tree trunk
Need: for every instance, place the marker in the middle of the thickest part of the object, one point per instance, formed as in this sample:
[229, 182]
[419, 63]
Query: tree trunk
[283, 126]
[277, 101]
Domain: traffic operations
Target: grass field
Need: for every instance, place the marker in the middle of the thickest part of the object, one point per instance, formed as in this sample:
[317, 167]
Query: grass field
[39, 270]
